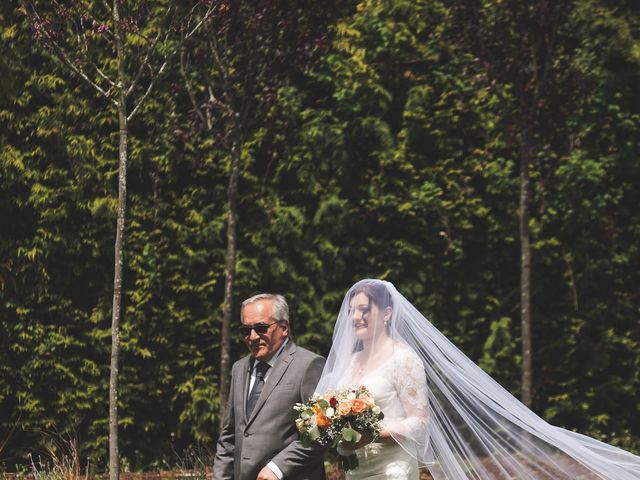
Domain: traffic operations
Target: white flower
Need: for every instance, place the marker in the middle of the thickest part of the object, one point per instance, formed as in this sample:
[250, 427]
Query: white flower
[376, 410]
[330, 412]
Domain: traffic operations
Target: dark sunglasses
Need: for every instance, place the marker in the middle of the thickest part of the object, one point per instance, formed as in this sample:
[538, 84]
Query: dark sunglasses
[260, 328]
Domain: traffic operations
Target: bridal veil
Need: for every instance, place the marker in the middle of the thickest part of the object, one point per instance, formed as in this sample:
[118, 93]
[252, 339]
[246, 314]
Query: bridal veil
[472, 428]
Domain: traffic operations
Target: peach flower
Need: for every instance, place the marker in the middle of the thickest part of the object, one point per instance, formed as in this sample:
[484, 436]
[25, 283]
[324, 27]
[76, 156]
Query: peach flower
[358, 405]
[344, 408]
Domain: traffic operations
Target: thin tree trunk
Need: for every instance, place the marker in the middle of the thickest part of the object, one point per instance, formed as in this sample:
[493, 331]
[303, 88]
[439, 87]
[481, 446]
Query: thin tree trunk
[525, 265]
[230, 273]
[114, 463]
[122, 89]
[114, 468]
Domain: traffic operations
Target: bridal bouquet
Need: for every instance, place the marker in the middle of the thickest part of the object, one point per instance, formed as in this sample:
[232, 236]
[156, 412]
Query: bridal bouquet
[338, 416]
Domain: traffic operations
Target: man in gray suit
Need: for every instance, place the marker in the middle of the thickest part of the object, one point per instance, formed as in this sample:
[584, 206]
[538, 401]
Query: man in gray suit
[259, 439]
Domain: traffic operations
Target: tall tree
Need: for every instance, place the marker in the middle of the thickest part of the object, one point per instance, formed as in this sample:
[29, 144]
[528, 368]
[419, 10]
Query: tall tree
[250, 51]
[139, 41]
[517, 44]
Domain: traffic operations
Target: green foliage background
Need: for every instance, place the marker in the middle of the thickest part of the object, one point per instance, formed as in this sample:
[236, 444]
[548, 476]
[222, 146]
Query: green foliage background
[392, 156]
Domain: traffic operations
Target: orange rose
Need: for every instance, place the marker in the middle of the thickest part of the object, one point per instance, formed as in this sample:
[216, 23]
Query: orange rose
[358, 405]
[344, 408]
[321, 419]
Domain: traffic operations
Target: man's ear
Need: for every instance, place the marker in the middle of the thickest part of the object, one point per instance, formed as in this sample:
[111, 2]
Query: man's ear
[285, 328]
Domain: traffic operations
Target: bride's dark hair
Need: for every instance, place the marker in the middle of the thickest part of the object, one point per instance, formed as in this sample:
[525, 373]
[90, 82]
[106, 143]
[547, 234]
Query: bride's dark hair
[375, 290]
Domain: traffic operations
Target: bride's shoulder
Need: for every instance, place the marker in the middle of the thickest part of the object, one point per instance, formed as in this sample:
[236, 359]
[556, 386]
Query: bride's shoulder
[405, 355]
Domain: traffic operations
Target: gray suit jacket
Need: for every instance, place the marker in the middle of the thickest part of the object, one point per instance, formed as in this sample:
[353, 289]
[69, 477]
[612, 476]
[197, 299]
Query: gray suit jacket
[246, 444]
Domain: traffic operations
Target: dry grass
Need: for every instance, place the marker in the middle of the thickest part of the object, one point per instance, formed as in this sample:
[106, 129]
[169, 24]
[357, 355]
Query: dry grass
[59, 462]
[155, 475]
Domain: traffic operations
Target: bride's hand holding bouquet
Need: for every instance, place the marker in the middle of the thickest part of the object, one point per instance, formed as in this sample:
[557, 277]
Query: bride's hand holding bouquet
[347, 418]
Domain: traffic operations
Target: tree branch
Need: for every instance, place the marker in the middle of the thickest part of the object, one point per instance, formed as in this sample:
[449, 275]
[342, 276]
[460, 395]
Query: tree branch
[81, 73]
[187, 84]
[204, 18]
[147, 54]
[103, 76]
[63, 56]
[152, 84]
[222, 68]
[167, 58]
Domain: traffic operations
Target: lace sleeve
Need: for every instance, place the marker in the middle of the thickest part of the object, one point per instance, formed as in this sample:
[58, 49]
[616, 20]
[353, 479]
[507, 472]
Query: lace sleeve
[411, 430]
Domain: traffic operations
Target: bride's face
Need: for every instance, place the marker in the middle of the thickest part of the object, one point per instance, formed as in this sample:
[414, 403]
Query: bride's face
[366, 317]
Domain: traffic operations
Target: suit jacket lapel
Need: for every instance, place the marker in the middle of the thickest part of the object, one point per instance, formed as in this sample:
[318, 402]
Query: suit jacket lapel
[245, 383]
[279, 369]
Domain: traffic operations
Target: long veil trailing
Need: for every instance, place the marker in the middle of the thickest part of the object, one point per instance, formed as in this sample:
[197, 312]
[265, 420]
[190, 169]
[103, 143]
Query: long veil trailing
[473, 428]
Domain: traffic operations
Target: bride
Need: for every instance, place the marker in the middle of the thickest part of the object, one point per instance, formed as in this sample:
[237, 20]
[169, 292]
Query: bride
[441, 410]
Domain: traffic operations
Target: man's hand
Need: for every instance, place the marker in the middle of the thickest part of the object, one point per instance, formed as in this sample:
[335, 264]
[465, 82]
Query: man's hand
[267, 474]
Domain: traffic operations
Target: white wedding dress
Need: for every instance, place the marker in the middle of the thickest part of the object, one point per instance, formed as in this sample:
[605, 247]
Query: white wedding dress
[470, 427]
[398, 387]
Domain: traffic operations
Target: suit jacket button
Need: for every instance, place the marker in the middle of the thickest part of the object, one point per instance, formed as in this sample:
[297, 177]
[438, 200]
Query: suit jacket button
[246, 434]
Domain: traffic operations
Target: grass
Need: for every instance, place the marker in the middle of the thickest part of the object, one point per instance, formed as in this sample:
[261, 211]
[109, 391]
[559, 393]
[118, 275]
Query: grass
[60, 461]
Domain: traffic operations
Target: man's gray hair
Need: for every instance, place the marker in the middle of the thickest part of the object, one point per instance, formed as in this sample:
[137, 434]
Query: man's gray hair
[280, 310]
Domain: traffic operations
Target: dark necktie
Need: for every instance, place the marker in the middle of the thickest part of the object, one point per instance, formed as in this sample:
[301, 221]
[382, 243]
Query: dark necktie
[261, 370]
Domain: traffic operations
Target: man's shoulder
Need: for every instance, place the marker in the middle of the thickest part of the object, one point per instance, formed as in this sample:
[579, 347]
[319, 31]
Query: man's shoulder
[243, 361]
[305, 354]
